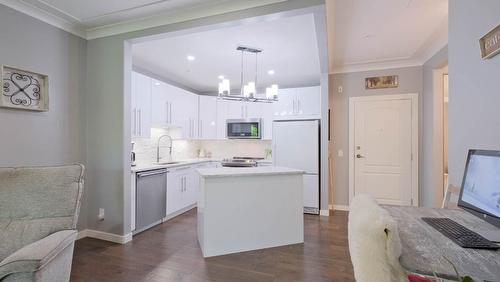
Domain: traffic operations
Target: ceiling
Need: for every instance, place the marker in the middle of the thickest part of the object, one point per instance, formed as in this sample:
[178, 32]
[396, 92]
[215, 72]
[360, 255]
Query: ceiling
[289, 46]
[379, 34]
[97, 18]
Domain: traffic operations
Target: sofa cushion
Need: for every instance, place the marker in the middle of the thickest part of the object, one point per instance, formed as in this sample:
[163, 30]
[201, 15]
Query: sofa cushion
[36, 202]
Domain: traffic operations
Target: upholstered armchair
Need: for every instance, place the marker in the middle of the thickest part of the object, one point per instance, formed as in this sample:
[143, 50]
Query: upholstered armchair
[38, 214]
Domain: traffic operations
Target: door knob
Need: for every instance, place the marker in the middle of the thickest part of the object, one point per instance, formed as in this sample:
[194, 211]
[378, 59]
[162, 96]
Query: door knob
[359, 156]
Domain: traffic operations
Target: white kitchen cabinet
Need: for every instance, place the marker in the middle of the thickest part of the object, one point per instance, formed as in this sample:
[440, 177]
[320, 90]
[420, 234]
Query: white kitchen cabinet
[185, 113]
[303, 102]
[285, 106]
[140, 106]
[207, 119]
[177, 189]
[162, 96]
[308, 101]
[252, 109]
[267, 121]
[221, 120]
[174, 107]
[233, 109]
[242, 110]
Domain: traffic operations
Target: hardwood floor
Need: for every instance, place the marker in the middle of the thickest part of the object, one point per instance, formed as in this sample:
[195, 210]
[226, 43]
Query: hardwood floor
[170, 252]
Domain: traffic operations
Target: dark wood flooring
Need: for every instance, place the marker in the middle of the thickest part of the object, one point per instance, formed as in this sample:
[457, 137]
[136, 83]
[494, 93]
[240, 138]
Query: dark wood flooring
[170, 252]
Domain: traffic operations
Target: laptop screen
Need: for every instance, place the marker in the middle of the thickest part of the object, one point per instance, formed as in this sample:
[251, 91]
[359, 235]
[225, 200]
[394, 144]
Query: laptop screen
[481, 183]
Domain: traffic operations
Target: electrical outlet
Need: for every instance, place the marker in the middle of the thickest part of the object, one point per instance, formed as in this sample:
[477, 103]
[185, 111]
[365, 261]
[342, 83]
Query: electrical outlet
[340, 89]
[100, 216]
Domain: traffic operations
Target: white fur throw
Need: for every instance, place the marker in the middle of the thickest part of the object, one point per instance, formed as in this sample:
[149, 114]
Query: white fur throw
[374, 242]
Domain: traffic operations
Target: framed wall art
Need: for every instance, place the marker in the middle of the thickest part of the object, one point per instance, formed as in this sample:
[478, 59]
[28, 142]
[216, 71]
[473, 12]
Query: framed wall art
[490, 43]
[24, 90]
[390, 81]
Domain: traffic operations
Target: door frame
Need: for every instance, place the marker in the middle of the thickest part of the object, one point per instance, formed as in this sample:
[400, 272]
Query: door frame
[414, 146]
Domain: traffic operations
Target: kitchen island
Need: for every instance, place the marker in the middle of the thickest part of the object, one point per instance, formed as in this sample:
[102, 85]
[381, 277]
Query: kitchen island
[243, 209]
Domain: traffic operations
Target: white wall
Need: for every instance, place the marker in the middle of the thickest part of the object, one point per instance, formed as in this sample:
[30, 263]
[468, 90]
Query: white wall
[53, 137]
[108, 155]
[474, 114]
[428, 191]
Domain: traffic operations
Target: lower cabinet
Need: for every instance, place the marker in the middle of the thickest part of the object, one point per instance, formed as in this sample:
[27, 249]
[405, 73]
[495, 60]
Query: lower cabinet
[183, 186]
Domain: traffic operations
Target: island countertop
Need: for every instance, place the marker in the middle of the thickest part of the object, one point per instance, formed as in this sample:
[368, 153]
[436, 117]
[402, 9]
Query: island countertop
[247, 171]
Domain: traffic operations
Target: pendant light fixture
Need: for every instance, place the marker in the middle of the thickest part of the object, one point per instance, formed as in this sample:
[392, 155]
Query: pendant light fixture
[248, 92]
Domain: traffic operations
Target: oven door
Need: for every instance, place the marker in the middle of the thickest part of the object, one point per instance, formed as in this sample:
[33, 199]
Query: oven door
[243, 129]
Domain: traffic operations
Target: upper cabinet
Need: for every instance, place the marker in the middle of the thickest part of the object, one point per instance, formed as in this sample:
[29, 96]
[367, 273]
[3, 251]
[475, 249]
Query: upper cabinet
[140, 106]
[301, 102]
[174, 107]
[185, 113]
[158, 104]
[207, 117]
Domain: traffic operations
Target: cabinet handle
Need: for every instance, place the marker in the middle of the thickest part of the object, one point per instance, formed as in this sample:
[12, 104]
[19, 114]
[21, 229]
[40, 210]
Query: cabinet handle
[135, 121]
[166, 112]
[143, 174]
[140, 126]
[170, 112]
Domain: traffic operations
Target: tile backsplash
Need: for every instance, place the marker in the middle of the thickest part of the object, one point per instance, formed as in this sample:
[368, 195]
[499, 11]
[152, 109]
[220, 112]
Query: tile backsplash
[145, 148]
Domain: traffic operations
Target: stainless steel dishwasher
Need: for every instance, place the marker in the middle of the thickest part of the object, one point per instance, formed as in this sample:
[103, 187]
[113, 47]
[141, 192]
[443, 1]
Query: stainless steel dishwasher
[150, 198]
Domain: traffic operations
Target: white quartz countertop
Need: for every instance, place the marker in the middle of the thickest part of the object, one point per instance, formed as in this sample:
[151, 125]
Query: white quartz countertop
[247, 171]
[176, 163]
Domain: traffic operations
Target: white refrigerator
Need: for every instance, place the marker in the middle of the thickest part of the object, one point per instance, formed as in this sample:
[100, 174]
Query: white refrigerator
[296, 144]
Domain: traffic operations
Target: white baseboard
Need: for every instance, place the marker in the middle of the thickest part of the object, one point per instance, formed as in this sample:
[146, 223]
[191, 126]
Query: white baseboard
[324, 212]
[340, 207]
[120, 239]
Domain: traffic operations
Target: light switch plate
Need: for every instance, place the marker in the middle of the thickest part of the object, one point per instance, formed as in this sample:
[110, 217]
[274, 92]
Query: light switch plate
[340, 153]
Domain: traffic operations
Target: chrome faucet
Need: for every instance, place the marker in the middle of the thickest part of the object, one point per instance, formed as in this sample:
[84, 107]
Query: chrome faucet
[158, 147]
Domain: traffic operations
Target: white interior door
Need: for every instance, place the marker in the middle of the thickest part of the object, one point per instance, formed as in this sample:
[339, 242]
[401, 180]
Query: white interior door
[382, 148]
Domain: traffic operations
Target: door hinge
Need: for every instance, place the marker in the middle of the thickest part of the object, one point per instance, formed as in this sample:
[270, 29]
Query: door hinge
[411, 202]
[412, 156]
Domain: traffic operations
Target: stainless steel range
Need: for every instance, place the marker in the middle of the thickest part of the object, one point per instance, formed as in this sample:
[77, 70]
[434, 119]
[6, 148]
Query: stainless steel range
[240, 162]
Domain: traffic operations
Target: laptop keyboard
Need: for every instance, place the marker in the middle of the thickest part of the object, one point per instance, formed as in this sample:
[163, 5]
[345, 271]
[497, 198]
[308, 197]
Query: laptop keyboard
[462, 236]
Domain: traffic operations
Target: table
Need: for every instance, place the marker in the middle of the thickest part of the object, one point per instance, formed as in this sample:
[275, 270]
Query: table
[424, 248]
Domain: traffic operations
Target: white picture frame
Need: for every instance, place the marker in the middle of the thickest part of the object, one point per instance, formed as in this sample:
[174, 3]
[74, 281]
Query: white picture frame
[24, 90]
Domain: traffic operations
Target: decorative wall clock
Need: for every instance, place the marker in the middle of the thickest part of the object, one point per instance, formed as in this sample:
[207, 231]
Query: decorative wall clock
[24, 90]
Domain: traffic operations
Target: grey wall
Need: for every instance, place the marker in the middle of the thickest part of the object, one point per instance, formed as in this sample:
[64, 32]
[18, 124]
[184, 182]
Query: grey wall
[439, 60]
[474, 114]
[53, 137]
[410, 81]
[108, 122]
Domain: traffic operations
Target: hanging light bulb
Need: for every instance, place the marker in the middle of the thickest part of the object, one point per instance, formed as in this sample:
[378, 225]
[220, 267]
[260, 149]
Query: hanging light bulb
[251, 89]
[224, 87]
[275, 89]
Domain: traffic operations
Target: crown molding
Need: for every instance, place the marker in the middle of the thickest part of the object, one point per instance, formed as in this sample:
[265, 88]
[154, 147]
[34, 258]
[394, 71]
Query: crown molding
[62, 20]
[45, 16]
[380, 65]
[172, 17]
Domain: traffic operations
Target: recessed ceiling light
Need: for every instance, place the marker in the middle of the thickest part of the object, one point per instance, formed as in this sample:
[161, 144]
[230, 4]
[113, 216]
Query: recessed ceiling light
[157, 83]
[221, 77]
[190, 58]
[270, 72]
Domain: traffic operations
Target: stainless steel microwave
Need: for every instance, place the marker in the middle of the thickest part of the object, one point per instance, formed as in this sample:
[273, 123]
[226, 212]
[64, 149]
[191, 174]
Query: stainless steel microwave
[244, 128]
